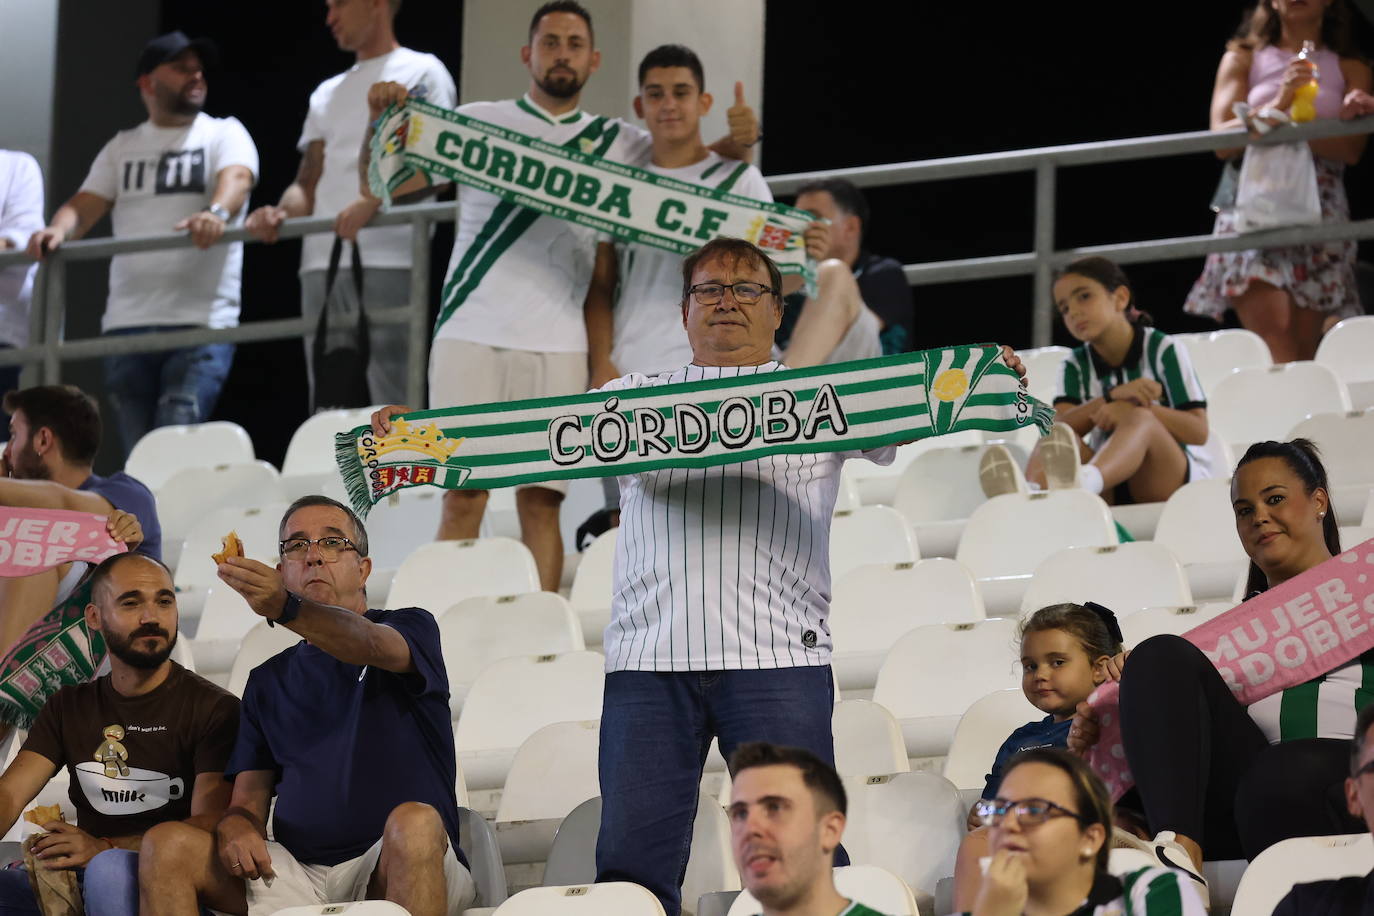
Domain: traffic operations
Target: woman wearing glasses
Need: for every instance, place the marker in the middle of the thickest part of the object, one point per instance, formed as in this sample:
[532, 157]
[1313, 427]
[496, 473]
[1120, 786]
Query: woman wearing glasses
[1216, 778]
[1050, 828]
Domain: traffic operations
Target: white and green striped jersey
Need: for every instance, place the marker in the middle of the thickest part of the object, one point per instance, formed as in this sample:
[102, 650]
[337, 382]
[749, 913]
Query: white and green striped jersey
[854, 909]
[1324, 707]
[649, 337]
[1084, 375]
[1151, 891]
[517, 278]
[726, 567]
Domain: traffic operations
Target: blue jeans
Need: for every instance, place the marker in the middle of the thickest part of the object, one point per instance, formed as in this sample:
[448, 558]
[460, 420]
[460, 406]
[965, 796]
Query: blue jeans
[170, 387]
[656, 729]
[109, 886]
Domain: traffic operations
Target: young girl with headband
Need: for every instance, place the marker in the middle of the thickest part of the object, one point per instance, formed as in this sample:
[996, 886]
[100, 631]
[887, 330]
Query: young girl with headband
[1132, 417]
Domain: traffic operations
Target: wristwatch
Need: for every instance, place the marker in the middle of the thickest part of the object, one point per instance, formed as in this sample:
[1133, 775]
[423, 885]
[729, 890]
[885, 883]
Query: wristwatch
[217, 210]
[289, 610]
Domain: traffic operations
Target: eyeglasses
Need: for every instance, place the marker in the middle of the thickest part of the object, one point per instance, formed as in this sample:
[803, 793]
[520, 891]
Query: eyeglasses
[745, 293]
[329, 546]
[1030, 812]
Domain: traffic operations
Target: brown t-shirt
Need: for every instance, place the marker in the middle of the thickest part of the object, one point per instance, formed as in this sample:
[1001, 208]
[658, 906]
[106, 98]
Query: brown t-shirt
[133, 761]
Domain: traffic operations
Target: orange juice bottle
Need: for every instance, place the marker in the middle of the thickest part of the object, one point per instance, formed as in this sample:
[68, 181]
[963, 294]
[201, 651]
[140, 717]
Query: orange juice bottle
[1304, 107]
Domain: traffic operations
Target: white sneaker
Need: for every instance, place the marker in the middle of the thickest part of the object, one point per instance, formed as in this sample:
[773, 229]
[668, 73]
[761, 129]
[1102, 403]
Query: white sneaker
[999, 474]
[1171, 854]
[1060, 458]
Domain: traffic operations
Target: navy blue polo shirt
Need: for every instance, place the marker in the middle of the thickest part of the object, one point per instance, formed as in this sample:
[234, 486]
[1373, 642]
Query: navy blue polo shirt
[1045, 733]
[350, 743]
[128, 494]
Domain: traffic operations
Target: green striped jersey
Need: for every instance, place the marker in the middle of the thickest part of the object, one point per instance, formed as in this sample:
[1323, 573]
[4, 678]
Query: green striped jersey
[517, 278]
[725, 567]
[1324, 707]
[1151, 891]
[1084, 375]
[649, 337]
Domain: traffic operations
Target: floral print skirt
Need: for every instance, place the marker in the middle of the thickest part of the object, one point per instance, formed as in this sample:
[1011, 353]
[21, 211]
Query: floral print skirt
[1320, 276]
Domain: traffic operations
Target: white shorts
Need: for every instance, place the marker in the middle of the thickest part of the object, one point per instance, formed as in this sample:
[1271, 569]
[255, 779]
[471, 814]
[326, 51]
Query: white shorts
[860, 341]
[298, 884]
[463, 373]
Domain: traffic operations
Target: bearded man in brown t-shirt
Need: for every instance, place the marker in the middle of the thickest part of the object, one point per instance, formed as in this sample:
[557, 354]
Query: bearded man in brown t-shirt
[144, 744]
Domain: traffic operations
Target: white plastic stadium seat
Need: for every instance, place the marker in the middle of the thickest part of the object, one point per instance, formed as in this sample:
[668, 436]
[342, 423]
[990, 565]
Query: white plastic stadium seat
[396, 527]
[710, 862]
[1042, 370]
[878, 483]
[442, 573]
[1316, 858]
[1216, 354]
[869, 534]
[1008, 536]
[1347, 444]
[1345, 349]
[939, 490]
[613, 898]
[1199, 526]
[311, 449]
[874, 887]
[260, 643]
[357, 908]
[1352, 535]
[478, 631]
[257, 526]
[1252, 405]
[907, 823]
[554, 771]
[188, 495]
[875, 605]
[868, 740]
[1156, 621]
[966, 660]
[1368, 518]
[981, 732]
[1124, 577]
[168, 449]
[515, 697]
[590, 595]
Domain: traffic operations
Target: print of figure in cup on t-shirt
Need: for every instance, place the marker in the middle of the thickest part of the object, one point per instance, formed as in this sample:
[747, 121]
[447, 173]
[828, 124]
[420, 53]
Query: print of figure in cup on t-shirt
[115, 788]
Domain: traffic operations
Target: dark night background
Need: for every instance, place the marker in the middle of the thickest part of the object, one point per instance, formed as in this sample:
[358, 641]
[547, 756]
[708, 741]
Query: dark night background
[844, 85]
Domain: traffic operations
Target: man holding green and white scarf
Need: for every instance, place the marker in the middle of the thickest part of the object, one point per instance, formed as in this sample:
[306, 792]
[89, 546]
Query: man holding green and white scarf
[511, 323]
[722, 582]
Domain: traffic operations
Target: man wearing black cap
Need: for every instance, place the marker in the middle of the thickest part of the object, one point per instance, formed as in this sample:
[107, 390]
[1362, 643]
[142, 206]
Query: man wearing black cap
[181, 170]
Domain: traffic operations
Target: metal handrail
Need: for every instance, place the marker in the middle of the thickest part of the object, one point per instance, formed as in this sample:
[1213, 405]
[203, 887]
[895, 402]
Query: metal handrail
[48, 349]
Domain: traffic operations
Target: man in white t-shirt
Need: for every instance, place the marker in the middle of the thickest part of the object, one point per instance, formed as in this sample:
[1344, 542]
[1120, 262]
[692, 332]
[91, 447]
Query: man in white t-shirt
[327, 185]
[21, 215]
[181, 170]
[511, 322]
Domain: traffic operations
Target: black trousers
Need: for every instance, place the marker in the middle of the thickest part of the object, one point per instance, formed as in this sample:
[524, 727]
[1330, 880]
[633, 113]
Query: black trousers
[1204, 769]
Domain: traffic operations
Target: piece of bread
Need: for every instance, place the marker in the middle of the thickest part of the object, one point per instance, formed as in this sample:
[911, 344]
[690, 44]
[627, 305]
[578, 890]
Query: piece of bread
[233, 547]
[43, 814]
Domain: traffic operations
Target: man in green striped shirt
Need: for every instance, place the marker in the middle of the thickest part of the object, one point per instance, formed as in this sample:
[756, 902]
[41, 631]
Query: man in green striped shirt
[787, 813]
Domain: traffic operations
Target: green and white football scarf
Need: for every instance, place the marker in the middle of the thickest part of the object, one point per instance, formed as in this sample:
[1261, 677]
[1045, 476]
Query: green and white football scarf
[629, 203]
[841, 407]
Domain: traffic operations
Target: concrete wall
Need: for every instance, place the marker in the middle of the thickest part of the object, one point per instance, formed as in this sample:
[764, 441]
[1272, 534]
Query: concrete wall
[495, 30]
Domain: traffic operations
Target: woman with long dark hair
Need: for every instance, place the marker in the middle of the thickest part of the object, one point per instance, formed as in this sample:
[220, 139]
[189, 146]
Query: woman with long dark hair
[1214, 776]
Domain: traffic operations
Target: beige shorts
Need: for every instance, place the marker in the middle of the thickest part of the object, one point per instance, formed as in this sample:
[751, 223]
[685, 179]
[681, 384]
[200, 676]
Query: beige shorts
[298, 884]
[463, 373]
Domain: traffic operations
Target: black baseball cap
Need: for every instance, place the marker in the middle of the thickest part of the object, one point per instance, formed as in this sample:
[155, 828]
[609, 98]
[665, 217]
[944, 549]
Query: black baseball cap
[166, 47]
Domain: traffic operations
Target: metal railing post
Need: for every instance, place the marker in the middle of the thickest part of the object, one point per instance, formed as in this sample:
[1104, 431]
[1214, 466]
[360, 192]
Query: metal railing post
[1042, 318]
[55, 308]
[32, 373]
[417, 349]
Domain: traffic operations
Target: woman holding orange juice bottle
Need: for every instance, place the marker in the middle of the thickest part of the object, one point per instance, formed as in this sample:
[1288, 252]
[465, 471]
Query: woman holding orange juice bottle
[1298, 57]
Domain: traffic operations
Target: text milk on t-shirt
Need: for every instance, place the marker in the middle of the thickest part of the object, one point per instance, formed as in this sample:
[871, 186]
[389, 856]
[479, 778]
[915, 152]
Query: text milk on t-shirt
[156, 177]
[338, 118]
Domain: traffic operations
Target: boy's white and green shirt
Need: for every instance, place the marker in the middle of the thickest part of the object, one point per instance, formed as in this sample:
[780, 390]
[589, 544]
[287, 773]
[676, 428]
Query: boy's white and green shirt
[1085, 375]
